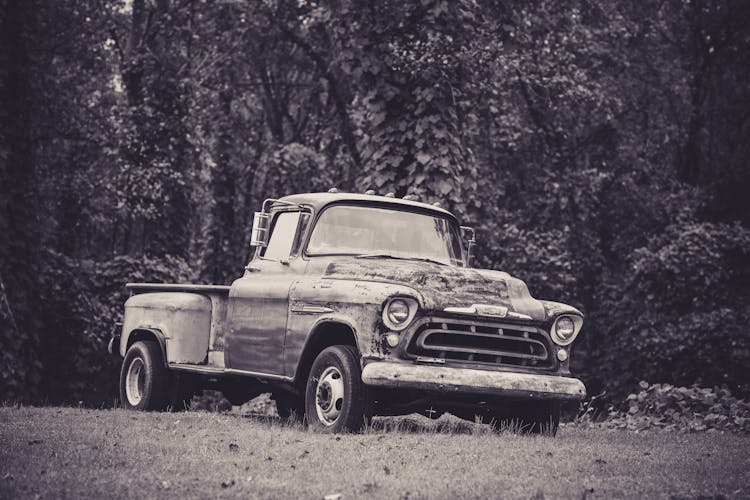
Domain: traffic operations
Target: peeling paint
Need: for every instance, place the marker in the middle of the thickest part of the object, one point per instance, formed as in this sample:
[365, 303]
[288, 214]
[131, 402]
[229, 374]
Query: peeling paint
[443, 286]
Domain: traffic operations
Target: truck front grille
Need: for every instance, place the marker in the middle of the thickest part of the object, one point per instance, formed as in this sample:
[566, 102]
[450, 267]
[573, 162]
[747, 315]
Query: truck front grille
[469, 341]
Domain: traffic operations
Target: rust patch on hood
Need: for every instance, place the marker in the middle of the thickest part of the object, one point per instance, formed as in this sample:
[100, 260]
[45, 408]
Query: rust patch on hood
[443, 286]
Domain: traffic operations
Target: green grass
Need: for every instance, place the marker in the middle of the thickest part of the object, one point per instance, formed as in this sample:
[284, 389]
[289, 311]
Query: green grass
[79, 453]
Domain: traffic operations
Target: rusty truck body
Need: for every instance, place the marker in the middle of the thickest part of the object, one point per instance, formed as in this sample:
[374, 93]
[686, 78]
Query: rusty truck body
[354, 305]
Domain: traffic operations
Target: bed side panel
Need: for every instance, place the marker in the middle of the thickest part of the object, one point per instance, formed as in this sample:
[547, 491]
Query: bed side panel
[183, 318]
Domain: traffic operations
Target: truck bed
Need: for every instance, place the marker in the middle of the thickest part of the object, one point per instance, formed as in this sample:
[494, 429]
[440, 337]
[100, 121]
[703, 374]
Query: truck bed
[218, 295]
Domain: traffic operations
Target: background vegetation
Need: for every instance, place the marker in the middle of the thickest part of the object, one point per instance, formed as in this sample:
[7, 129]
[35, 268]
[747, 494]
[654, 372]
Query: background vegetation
[600, 148]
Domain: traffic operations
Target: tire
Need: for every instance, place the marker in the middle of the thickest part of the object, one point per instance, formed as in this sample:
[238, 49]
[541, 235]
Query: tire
[336, 400]
[144, 380]
[536, 417]
[289, 406]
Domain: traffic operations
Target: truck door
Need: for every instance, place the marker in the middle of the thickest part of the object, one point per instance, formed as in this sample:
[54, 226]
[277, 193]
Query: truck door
[259, 301]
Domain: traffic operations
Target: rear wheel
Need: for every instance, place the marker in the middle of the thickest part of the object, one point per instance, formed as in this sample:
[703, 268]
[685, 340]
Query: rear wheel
[144, 380]
[336, 400]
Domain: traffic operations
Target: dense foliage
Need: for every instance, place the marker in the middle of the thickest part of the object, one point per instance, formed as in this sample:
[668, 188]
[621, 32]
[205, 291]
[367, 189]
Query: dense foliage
[686, 409]
[599, 147]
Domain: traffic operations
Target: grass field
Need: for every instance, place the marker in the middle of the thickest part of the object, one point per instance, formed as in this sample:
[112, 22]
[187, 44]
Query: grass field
[79, 453]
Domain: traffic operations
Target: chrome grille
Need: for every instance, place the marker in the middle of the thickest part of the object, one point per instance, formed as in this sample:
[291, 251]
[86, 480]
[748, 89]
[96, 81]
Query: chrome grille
[469, 341]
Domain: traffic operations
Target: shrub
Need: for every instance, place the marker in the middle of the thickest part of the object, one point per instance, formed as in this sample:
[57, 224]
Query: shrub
[680, 315]
[687, 409]
[82, 301]
[215, 401]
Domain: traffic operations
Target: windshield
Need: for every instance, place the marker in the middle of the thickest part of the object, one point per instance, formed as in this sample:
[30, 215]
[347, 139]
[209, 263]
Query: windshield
[382, 232]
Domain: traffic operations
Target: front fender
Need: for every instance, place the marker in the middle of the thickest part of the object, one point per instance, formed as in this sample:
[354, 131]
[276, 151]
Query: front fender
[357, 304]
[554, 309]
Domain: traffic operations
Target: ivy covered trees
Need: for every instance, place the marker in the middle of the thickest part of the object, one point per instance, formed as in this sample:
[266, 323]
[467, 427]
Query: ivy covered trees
[600, 149]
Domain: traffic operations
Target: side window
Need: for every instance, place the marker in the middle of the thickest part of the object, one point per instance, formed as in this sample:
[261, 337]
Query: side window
[283, 236]
[303, 224]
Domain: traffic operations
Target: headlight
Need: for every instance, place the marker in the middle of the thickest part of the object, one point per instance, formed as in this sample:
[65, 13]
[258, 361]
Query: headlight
[565, 329]
[398, 312]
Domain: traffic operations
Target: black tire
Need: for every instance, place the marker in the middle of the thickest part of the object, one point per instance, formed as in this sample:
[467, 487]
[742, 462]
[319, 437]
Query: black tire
[144, 380]
[336, 400]
[534, 417]
[289, 406]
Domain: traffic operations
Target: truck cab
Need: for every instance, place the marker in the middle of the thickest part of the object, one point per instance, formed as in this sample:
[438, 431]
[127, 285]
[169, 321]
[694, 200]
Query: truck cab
[355, 305]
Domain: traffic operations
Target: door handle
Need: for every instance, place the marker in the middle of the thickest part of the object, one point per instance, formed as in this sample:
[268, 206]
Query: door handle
[252, 269]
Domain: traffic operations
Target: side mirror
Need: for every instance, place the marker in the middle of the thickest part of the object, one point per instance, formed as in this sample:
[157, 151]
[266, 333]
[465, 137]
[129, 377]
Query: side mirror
[259, 234]
[470, 236]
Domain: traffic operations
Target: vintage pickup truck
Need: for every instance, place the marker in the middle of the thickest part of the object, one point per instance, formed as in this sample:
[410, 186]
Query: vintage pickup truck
[354, 305]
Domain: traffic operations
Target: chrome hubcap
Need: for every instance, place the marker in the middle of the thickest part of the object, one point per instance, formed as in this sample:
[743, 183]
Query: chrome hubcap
[135, 382]
[329, 395]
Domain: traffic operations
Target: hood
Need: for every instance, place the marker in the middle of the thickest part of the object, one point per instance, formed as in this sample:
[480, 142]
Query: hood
[444, 286]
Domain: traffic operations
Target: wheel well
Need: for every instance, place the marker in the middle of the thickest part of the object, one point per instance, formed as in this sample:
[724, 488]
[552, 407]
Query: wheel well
[142, 334]
[323, 335]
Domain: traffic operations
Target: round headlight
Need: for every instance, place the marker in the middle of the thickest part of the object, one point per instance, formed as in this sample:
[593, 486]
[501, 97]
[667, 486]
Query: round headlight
[398, 311]
[564, 330]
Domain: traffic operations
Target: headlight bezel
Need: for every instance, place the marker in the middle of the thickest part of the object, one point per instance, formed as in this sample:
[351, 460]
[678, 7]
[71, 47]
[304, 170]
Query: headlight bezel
[577, 324]
[412, 306]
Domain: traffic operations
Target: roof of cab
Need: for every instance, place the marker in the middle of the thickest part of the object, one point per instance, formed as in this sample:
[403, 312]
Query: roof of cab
[319, 200]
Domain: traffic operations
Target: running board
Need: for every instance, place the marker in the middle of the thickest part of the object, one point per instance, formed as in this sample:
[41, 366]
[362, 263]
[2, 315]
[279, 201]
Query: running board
[212, 370]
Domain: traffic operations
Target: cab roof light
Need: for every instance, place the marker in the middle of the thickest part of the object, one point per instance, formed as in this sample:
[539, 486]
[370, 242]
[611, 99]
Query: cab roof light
[370, 192]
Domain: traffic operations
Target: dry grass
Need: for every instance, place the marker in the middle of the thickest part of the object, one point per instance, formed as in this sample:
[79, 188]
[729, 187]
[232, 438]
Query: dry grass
[78, 453]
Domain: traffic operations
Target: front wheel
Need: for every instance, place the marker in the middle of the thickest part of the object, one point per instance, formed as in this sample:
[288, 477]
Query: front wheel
[336, 400]
[144, 381]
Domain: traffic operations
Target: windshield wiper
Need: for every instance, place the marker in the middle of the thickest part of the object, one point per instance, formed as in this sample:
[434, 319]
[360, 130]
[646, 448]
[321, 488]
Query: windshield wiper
[389, 256]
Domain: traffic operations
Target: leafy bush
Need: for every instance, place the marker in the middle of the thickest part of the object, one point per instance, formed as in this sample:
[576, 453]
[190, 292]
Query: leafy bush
[534, 256]
[681, 314]
[209, 400]
[214, 401]
[82, 302]
[294, 168]
[690, 409]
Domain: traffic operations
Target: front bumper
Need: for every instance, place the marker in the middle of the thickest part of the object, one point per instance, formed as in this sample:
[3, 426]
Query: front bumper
[468, 381]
